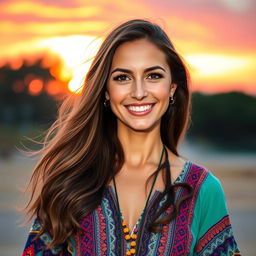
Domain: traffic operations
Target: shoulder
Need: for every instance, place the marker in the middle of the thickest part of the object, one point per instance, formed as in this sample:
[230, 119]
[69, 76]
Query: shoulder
[208, 188]
[194, 174]
[210, 181]
[185, 170]
[195, 167]
[208, 201]
[202, 179]
[199, 177]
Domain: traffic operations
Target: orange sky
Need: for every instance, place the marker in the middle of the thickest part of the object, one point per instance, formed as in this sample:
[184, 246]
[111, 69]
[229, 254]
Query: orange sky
[216, 38]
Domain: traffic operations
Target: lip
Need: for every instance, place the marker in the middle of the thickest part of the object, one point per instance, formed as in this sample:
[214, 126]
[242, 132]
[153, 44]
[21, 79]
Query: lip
[140, 113]
[139, 105]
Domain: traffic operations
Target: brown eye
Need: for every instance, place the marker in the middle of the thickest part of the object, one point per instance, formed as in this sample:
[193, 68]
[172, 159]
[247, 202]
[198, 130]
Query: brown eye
[121, 78]
[155, 76]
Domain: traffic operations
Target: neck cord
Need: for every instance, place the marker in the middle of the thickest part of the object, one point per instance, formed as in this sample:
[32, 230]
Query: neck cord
[144, 210]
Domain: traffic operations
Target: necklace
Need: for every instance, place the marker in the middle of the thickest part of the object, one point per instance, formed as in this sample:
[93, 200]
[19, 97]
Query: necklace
[131, 238]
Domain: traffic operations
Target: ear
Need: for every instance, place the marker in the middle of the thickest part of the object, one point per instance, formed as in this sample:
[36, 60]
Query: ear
[172, 89]
[107, 95]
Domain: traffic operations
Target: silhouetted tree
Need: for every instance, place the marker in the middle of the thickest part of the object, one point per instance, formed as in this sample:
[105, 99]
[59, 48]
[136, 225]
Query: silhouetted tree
[226, 121]
[20, 112]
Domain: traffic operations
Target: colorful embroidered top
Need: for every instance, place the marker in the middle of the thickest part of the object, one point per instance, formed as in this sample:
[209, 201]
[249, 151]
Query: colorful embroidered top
[202, 226]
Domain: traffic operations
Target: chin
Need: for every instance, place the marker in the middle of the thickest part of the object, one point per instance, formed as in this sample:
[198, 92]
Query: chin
[143, 127]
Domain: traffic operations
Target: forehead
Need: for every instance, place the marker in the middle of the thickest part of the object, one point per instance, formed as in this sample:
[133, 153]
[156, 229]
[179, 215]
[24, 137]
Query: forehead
[139, 54]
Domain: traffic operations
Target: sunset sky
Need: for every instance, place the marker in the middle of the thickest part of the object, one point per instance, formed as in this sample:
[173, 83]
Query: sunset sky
[216, 38]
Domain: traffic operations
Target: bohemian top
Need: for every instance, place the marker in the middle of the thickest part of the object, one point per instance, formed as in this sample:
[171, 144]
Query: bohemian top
[202, 226]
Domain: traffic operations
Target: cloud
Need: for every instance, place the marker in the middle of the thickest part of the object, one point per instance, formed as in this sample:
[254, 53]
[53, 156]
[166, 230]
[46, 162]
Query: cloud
[37, 9]
[222, 27]
[52, 29]
[192, 22]
[237, 5]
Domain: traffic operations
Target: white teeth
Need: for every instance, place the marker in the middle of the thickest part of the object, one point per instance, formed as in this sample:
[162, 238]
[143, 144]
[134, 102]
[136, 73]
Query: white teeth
[139, 109]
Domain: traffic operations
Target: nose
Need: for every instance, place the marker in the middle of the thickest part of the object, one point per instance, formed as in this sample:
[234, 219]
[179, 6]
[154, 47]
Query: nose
[138, 90]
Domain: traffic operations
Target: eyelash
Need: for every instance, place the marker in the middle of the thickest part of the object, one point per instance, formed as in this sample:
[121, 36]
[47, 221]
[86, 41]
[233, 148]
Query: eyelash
[117, 78]
[156, 74]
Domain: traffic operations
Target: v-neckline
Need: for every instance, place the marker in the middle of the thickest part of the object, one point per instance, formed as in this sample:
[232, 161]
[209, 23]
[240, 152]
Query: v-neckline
[153, 195]
[156, 191]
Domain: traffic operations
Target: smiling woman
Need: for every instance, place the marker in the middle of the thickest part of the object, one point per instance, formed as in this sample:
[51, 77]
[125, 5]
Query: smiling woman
[139, 83]
[110, 180]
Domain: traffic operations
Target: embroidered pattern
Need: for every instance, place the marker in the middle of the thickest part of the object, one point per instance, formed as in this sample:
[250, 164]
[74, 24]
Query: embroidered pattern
[87, 243]
[181, 231]
[218, 240]
[110, 227]
[38, 248]
[101, 234]
[30, 251]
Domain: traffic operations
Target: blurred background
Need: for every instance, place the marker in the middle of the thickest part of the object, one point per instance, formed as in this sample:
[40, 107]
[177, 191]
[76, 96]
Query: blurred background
[46, 49]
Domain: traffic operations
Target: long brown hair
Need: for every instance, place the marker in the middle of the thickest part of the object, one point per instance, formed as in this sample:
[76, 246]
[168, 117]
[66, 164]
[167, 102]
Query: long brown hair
[81, 151]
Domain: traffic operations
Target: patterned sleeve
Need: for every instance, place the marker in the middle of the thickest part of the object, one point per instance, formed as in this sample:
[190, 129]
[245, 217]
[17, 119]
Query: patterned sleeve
[215, 235]
[37, 247]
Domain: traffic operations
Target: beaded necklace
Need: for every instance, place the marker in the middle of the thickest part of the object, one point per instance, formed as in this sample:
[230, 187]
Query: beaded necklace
[132, 238]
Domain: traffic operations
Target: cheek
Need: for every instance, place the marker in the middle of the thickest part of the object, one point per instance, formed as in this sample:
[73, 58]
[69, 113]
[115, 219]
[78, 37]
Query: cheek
[162, 91]
[116, 93]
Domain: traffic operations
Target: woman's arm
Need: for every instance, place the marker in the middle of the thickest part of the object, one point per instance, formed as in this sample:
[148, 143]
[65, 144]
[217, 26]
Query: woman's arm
[214, 234]
[37, 246]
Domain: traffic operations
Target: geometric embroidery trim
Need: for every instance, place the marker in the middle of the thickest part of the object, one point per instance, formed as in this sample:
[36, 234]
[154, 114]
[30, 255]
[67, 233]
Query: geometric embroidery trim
[212, 232]
[181, 229]
[218, 240]
[45, 237]
[110, 227]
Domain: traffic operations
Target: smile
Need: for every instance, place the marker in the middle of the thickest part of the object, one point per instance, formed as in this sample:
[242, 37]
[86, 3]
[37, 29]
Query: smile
[140, 110]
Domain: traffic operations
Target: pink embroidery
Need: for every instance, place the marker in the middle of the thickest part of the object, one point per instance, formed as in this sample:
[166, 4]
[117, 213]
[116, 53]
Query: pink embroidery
[103, 232]
[182, 234]
[87, 236]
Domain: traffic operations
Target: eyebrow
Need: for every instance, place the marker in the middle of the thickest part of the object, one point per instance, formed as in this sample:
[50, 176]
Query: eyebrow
[130, 72]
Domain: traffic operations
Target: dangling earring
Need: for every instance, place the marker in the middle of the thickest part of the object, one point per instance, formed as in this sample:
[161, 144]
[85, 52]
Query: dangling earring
[171, 100]
[106, 103]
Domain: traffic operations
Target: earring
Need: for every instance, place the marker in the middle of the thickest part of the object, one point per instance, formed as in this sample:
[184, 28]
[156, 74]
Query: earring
[106, 103]
[171, 100]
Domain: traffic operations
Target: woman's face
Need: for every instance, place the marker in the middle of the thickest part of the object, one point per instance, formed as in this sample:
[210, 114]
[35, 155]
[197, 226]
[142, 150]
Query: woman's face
[139, 85]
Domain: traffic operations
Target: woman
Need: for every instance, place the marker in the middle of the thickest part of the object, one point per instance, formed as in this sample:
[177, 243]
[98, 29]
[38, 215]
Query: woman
[111, 179]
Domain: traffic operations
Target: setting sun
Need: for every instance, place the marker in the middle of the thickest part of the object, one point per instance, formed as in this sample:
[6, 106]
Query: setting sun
[76, 53]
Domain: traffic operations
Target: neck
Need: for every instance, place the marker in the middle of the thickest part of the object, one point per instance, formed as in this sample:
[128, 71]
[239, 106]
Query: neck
[141, 148]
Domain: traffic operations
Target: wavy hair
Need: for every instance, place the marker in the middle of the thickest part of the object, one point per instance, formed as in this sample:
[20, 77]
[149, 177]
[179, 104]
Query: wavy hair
[82, 153]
